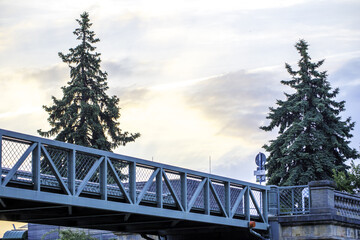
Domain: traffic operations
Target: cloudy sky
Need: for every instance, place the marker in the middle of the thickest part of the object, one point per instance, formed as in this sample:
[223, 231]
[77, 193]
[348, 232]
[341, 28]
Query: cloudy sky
[195, 78]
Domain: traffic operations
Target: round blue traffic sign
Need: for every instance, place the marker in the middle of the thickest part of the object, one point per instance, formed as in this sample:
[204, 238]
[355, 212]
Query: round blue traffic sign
[260, 159]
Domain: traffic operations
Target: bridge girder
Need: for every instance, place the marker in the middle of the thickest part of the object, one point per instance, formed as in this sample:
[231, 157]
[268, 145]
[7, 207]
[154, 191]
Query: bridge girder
[50, 182]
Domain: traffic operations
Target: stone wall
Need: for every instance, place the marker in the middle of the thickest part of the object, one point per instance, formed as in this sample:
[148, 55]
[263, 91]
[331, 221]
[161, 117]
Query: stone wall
[318, 231]
[324, 221]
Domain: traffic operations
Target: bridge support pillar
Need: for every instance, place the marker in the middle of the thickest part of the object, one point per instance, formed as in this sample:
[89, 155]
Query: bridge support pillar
[326, 219]
[322, 196]
[273, 201]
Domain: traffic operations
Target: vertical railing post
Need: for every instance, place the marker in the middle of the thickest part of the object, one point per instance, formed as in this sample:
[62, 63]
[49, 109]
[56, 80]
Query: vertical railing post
[71, 171]
[273, 196]
[278, 201]
[103, 179]
[322, 196]
[159, 189]
[265, 204]
[207, 197]
[309, 192]
[247, 204]
[227, 199]
[183, 177]
[292, 200]
[132, 181]
[35, 162]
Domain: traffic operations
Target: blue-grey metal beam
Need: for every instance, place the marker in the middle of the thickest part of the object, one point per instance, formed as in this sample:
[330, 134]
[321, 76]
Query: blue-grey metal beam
[71, 158]
[227, 199]
[147, 185]
[103, 179]
[217, 199]
[36, 166]
[159, 189]
[129, 159]
[132, 181]
[172, 191]
[30, 195]
[256, 206]
[247, 204]
[196, 194]
[18, 164]
[119, 183]
[206, 196]
[238, 201]
[265, 205]
[130, 200]
[183, 179]
[89, 175]
[52, 167]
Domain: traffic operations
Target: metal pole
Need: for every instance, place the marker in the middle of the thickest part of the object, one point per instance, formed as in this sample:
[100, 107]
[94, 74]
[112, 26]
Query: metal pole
[207, 197]
[183, 177]
[103, 178]
[132, 181]
[227, 198]
[36, 166]
[71, 171]
[159, 189]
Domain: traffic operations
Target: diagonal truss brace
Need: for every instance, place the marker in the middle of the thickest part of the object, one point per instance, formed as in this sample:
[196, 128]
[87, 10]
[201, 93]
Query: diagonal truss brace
[118, 181]
[72, 188]
[196, 194]
[238, 201]
[217, 198]
[168, 184]
[147, 185]
[89, 175]
[55, 171]
[18, 164]
[256, 205]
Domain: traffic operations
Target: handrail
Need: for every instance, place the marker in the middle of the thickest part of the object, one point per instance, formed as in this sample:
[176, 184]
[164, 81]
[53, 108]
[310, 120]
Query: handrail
[347, 205]
[83, 172]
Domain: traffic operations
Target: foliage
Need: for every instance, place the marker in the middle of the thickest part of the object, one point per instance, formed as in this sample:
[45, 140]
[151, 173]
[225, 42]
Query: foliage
[86, 115]
[312, 140]
[348, 181]
[70, 235]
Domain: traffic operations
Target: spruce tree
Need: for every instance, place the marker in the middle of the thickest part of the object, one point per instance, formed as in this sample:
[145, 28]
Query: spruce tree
[313, 140]
[348, 181]
[86, 115]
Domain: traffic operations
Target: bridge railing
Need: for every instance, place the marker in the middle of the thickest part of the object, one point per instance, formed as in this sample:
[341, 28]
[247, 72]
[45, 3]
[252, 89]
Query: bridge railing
[317, 197]
[51, 166]
[289, 200]
[347, 205]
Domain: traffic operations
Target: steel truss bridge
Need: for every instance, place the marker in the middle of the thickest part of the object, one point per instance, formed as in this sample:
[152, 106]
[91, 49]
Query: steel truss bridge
[50, 182]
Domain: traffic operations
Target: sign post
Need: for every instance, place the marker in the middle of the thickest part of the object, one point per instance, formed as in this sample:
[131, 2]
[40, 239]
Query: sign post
[260, 161]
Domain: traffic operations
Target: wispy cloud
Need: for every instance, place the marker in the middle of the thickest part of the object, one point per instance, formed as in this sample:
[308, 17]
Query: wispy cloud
[20, 112]
[238, 101]
[151, 48]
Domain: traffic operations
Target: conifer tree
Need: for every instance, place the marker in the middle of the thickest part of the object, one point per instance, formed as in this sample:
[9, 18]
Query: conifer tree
[348, 181]
[86, 115]
[313, 140]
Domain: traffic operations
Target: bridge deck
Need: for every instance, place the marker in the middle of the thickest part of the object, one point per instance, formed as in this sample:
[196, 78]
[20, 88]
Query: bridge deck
[51, 182]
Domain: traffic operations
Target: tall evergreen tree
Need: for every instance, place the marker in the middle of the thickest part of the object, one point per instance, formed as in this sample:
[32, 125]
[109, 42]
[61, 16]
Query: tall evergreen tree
[86, 115]
[348, 181]
[312, 140]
